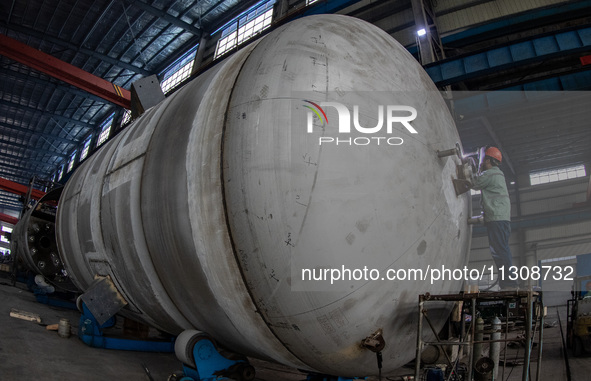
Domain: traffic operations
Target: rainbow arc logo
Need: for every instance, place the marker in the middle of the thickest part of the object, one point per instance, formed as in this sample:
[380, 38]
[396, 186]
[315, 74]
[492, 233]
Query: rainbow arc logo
[315, 111]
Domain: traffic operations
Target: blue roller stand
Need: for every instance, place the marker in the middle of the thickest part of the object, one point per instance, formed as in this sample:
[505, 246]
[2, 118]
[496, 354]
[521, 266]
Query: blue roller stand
[91, 333]
[203, 361]
[48, 295]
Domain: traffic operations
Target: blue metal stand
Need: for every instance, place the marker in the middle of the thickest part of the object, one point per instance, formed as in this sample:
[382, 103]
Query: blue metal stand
[50, 300]
[91, 333]
[206, 361]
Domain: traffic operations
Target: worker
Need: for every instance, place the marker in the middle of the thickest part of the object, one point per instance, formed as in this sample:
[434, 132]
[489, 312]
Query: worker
[497, 213]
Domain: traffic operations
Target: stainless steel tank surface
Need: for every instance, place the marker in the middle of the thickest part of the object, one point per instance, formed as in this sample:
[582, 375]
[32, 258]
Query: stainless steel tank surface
[205, 210]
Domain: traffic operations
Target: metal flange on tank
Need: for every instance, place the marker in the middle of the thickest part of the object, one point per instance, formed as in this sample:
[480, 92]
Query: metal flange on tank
[35, 244]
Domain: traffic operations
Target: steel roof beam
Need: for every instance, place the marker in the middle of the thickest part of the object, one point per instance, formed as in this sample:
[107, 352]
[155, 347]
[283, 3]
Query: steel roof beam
[71, 46]
[167, 17]
[131, 43]
[164, 47]
[21, 168]
[6, 174]
[182, 50]
[37, 133]
[55, 86]
[27, 160]
[189, 44]
[106, 33]
[64, 71]
[31, 148]
[97, 22]
[60, 118]
[19, 189]
[494, 59]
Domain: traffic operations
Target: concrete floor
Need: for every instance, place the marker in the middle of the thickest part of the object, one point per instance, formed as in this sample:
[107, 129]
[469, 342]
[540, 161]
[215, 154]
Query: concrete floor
[554, 366]
[29, 351]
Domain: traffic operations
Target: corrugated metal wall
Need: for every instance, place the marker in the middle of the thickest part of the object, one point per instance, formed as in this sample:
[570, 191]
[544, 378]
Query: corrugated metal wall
[454, 15]
[482, 12]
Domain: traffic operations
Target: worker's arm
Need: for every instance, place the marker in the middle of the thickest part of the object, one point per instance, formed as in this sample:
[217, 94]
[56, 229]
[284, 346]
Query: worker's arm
[480, 181]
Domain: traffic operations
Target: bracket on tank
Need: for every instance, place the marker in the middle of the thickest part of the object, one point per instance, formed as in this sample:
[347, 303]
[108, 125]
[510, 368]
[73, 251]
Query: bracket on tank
[204, 361]
[464, 171]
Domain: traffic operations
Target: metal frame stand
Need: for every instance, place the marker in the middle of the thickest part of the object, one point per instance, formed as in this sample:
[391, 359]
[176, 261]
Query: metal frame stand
[55, 301]
[91, 333]
[534, 300]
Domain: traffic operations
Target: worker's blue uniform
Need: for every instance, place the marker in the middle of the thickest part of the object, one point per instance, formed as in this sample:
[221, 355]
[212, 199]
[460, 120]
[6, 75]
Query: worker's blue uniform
[497, 217]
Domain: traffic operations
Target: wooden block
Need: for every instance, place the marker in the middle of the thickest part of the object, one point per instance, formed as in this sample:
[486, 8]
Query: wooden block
[24, 315]
[52, 327]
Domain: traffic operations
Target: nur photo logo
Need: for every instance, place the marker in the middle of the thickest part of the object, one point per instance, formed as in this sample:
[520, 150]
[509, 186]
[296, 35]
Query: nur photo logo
[347, 122]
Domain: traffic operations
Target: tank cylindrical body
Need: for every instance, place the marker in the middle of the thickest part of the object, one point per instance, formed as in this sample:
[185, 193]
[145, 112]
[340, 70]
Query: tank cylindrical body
[203, 211]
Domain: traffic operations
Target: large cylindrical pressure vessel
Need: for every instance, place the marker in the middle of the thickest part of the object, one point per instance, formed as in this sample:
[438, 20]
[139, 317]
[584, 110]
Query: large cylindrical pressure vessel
[299, 152]
[34, 245]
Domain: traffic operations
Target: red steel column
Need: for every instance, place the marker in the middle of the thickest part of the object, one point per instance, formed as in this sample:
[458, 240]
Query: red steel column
[8, 219]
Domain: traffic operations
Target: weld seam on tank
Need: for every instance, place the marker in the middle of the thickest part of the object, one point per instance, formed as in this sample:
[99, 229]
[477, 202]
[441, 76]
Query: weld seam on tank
[106, 165]
[269, 346]
[227, 218]
[177, 312]
[147, 264]
[75, 274]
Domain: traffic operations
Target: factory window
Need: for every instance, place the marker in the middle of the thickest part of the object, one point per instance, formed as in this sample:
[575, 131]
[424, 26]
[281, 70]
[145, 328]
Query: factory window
[178, 71]
[544, 177]
[126, 117]
[60, 173]
[105, 130]
[570, 258]
[7, 230]
[86, 148]
[72, 160]
[245, 26]
[308, 2]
